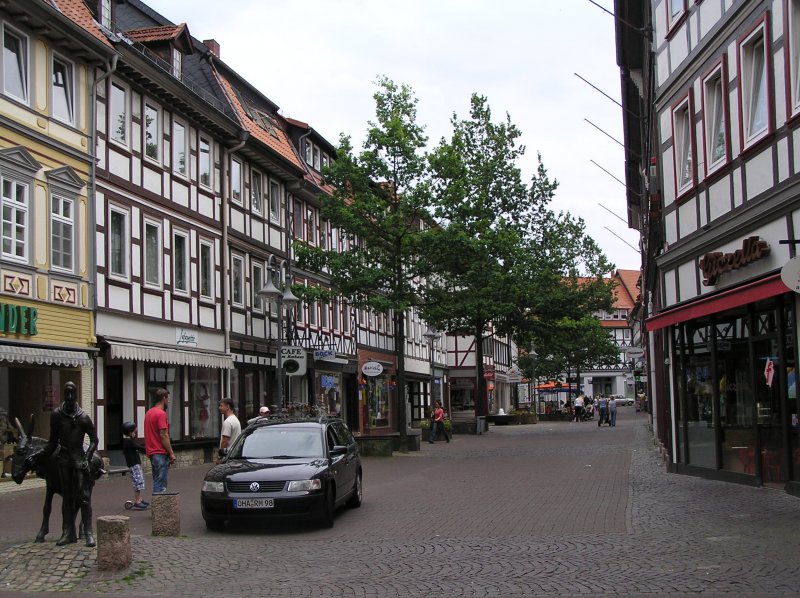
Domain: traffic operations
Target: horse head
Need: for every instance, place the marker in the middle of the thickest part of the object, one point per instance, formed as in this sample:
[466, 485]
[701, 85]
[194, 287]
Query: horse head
[25, 453]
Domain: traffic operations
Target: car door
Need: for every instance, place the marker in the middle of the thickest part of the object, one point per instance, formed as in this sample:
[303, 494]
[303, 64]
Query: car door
[347, 474]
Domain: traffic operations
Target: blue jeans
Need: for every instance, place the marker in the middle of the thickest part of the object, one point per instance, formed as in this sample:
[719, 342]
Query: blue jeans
[160, 465]
[613, 417]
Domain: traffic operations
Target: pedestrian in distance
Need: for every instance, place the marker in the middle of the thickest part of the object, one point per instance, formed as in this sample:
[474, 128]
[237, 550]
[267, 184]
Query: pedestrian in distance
[579, 402]
[612, 410]
[231, 428]
[263, 413]
[158, 447]
[131, 450]
[602, 407]
[438, 423]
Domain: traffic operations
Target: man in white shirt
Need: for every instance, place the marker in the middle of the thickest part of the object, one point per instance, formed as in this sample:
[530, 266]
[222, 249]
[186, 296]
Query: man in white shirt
[231, 427]
[578, 408]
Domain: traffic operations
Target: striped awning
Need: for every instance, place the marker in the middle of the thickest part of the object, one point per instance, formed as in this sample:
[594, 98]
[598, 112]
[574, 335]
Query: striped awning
[171, 356]
[40, 356]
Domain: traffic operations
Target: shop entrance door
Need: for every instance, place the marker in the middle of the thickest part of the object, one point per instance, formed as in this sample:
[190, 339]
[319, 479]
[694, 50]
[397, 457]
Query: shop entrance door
[113, 415]
[768, 410]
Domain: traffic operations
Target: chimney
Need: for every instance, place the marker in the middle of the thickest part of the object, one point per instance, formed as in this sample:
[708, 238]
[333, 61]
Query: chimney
[213, 46]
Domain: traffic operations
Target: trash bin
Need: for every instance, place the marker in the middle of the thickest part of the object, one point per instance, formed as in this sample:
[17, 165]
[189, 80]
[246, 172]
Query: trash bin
[480, 424]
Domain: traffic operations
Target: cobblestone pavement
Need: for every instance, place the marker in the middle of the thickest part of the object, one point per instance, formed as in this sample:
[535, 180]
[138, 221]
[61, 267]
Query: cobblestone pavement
[553, 509]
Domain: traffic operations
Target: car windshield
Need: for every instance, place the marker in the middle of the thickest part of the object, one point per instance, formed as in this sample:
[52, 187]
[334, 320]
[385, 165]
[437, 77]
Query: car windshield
[277, 442]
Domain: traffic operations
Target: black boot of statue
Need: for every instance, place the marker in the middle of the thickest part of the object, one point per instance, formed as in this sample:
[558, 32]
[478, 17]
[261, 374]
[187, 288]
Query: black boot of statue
[68, 536]
[90, 542]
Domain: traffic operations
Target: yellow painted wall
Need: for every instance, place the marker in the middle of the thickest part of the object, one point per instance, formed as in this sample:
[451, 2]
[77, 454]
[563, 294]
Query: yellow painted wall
[57, 325]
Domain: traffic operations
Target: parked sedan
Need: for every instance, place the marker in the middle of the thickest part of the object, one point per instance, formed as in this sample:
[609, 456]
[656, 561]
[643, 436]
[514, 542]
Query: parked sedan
[623, 401]
[282, 468]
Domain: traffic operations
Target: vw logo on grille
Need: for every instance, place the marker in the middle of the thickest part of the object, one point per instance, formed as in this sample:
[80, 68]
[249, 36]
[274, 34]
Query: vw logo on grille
[254, 487]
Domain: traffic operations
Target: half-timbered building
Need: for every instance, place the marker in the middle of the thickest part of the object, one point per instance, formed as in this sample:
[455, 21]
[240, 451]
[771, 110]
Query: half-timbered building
[47, 335]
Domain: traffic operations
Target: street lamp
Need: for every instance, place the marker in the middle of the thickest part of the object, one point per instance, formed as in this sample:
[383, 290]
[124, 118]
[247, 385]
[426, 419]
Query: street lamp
[431, 335]
[285, 299]
[533, 355]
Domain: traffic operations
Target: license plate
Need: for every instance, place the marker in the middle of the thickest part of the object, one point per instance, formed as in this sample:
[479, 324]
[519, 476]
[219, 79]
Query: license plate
[253, 503]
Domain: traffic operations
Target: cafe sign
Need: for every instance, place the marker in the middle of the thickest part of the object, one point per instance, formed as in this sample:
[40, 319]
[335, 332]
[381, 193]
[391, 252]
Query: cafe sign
[18, 319]
[713, 264]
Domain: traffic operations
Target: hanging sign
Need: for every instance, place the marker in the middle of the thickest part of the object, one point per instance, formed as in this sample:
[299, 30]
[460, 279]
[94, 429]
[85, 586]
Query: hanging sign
[790, 274]
[293, 361]
[372, 368]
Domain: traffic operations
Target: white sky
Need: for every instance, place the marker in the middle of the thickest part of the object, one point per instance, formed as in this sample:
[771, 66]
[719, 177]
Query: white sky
[318, 60]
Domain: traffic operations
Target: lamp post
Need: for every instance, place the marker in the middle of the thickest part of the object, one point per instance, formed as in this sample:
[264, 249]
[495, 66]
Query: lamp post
[533, 355]
[431, 335]
[285, 299]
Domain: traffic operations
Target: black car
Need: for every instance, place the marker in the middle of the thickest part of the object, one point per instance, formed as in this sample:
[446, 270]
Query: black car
[279, 468]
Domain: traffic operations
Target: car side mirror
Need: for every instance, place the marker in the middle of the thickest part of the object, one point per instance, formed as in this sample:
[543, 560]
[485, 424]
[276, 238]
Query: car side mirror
[339, 450]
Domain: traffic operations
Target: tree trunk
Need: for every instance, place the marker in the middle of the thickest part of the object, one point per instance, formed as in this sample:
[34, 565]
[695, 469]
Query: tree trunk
[399, 348]
[481, 397]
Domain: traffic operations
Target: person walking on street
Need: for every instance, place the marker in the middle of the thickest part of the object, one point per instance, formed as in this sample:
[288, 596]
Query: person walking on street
[438, 423]
[579, 401]
[131, 450]
[263, 413]
[156, 440]
[602, 407]
[231, 428]
[612, 410]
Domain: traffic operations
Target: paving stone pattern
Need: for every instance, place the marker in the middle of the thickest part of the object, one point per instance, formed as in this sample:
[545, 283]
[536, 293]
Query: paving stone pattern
[552, 509]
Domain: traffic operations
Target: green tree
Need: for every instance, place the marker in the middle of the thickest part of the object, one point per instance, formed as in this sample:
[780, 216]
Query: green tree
[500, 261]
[379, 196]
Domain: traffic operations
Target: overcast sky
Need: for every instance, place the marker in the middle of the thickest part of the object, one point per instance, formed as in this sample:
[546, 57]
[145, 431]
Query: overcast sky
[318, 60]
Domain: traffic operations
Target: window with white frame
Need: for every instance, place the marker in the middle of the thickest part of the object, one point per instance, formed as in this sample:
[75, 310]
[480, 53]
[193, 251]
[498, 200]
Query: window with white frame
[323, 315]
[309, 154]
[676, 9]
[312, 313]
[151, 132]
[316, 158]
[311, 224]
[15, 206]
[179, 141]
[335, 315]
[180, 261]
[63, 91]
[118, 245]
[205, 162]
[236, 181]
[297, 220]
[105, 13]
[300, 311]
[274, 201]
[256, 193]
[206, 270]
[15, 64]
[237, 280]
[753, 86]
[118, 113]
[152, 253]
[62, 232]
[683, 145]
[715, 115]
[177, 63]
[346, 318]
[793, 23]
[258, 282]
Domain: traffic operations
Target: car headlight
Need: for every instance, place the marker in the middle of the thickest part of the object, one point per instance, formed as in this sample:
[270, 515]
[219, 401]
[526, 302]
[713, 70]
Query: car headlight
[213, 486]
[304, 485]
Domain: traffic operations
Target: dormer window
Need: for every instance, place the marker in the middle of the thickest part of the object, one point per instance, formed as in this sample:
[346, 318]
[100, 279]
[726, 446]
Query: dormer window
[105, 13]
[177, 63]
[309, 152]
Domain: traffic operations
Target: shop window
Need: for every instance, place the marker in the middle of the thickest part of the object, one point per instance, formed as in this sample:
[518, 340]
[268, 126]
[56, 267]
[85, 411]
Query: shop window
[204, 394]
[376, 393]
[63, 91]
[159, 376]
[62, 235]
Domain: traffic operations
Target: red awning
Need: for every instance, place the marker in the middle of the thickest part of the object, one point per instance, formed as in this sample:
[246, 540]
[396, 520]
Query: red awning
[748, 293]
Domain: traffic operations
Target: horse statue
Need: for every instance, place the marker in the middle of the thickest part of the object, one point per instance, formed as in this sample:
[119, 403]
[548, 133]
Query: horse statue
[28, 457]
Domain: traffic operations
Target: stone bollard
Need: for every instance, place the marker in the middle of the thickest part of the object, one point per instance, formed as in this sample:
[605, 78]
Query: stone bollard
[113, 543]
[166, 507]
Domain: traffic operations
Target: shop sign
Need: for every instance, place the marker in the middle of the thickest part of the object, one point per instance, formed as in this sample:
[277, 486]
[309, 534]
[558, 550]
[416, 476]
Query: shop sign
[715, 263]
[372, 368]
[18, 319]
[293, 360]
[790, 274]
[514, 375]
[185, 338]
[324, 354]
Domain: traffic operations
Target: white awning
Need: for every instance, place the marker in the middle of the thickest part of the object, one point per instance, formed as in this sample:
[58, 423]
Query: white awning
[39, 356]
[173, 356]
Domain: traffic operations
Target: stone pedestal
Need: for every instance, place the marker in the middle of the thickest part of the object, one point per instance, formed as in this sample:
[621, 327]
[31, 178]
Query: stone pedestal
[166, 507]
[113, 543]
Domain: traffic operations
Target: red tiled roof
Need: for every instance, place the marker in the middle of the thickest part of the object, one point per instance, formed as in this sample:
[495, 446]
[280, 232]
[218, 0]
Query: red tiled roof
[79, 13]
[279, 142]
[628, 280]
[156, 34]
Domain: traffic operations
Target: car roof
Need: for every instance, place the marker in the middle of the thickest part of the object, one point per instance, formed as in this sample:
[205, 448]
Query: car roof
[299, 422]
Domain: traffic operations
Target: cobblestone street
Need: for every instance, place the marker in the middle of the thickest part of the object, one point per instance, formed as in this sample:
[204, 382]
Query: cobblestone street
[539, 510]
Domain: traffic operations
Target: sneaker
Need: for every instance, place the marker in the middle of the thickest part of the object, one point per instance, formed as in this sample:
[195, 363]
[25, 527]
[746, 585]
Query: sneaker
[145, 503]
[140, 505]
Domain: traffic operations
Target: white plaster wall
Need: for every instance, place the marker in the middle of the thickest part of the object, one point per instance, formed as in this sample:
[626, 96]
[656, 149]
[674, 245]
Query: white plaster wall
[687, 280]
[738, 196]
[669, 288]
[671, 227]
[118, 164]
[151, 180]
[687, 217]
[118, 298]
[759, 170]
[206, 314]
[719, 197]
[783, 160]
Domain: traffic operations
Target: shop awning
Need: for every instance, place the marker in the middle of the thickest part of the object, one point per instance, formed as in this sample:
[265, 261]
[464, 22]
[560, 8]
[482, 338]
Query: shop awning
[748, 293]
[171, 356]
[40, 356]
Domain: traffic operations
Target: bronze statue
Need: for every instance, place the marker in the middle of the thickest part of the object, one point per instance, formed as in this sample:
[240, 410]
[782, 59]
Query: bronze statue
[69, 424]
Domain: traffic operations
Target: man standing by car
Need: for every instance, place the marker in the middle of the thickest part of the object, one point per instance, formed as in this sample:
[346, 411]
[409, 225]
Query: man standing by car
[156, 440]
[231, 427]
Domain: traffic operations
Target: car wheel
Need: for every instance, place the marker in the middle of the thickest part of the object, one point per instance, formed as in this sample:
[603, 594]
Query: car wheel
[328, 508]
[215, 525]
[355, 499]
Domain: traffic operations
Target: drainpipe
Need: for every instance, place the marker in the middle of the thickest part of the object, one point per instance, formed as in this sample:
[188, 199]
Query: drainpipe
[91, 213]
[225, 205]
